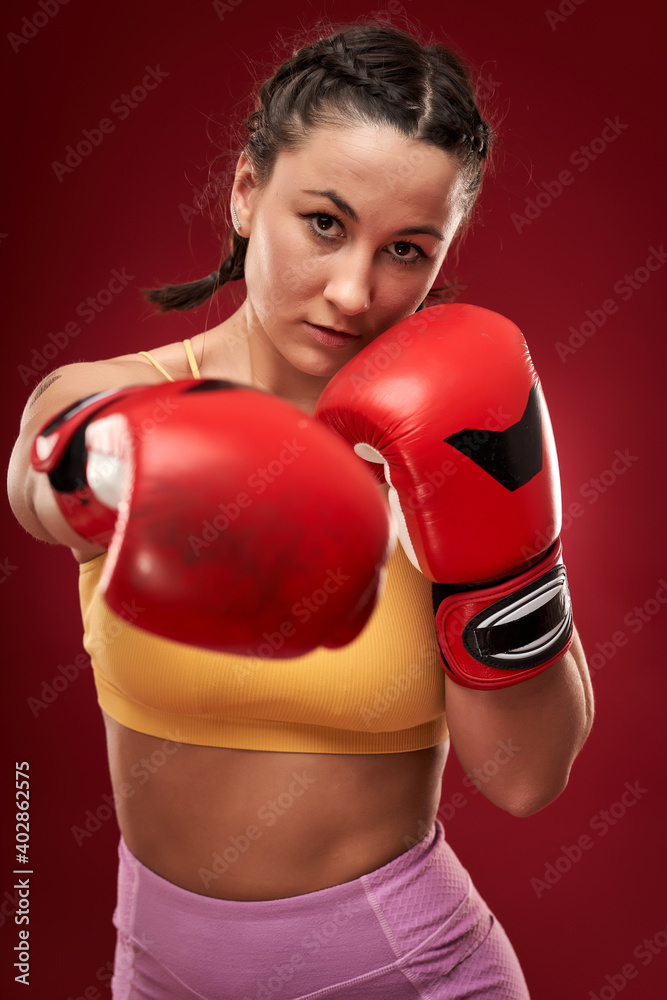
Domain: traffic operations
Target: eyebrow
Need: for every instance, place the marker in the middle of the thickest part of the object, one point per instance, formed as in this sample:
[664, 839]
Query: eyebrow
[346, 209]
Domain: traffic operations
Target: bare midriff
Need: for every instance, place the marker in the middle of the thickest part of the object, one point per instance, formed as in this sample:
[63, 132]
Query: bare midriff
[252, 825]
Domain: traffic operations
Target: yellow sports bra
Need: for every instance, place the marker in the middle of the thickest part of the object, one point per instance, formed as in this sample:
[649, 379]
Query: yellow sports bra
[382, 693]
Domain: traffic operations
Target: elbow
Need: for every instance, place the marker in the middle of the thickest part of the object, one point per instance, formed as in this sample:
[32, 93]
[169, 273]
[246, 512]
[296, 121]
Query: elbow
[528, 801]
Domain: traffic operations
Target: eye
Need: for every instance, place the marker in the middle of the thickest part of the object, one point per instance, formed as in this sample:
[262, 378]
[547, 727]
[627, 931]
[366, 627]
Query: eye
[315, 220]
[404, 255]
[321, 223]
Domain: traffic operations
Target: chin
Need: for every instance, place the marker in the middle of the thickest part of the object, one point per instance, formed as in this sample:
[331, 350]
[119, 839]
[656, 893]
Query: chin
[325, 368]
[318, 364]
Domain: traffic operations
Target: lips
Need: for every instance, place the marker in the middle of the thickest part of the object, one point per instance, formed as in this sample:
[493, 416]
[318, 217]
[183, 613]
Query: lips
[329, 337]
[333, 329]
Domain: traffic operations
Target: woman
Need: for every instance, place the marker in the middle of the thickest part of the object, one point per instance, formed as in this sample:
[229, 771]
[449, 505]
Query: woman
[269, 858]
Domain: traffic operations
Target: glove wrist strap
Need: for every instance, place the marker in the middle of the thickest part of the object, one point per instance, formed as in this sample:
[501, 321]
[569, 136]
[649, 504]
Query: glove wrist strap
[61, 452]
[506, 633]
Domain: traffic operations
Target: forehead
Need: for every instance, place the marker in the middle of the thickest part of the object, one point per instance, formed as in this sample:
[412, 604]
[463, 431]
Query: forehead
[378, 171]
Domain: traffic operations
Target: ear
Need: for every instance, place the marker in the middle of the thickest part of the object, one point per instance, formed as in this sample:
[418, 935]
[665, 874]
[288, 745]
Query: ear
[244, 193]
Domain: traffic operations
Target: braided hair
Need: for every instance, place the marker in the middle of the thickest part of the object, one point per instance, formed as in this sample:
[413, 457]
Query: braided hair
[366, 74]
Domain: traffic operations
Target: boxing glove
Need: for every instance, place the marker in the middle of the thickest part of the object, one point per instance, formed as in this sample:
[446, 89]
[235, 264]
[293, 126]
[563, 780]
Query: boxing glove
[85, 482]
[449, 402]
[225, 507]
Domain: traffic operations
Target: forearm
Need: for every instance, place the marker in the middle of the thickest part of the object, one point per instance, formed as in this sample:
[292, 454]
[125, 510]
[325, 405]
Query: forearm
[522, 740]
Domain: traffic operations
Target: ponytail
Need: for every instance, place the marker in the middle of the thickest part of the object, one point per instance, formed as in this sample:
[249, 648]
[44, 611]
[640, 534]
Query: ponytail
[195, 293]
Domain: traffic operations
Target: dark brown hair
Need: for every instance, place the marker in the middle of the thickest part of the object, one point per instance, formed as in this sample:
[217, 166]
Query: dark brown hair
[363, 73]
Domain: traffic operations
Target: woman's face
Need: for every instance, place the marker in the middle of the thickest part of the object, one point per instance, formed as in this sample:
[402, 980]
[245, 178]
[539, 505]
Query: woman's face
[348, 235]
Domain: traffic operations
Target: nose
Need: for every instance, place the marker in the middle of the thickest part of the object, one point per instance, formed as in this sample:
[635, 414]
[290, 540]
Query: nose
[349, 285]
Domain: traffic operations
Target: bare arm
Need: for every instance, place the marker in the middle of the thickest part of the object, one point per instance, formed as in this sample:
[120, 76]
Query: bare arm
[518, 744]
[29, 492]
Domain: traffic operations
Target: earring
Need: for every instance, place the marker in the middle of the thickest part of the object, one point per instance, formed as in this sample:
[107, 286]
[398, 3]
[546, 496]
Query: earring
[235, 219]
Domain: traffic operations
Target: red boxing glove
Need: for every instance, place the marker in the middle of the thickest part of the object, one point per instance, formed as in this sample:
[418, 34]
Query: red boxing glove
[449, 401]
[227, 507]
[85, 482]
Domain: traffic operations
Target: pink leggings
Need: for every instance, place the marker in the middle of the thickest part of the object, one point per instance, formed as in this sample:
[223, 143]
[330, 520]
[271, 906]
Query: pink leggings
[416, 927]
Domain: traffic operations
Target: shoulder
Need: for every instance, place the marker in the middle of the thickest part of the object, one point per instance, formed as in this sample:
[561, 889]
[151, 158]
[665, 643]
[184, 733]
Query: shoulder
[87, 377]
[56, 392]
[69, 383]
[170, 357]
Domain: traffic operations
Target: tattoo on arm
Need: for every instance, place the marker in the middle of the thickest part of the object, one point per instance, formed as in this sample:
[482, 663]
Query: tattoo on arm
[42, 387]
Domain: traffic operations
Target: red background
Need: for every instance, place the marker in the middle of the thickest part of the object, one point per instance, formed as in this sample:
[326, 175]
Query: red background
[551, 87]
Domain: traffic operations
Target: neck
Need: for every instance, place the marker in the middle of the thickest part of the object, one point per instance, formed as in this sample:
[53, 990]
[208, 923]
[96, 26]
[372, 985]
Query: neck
[272, 373]
[246, 355]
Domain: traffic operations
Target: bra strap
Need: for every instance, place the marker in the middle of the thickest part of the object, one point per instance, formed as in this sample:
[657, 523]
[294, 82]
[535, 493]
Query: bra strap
[157, 365]
[194, 367]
